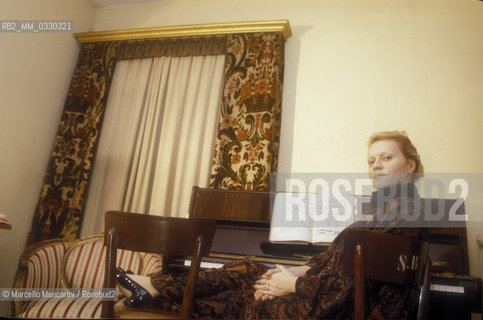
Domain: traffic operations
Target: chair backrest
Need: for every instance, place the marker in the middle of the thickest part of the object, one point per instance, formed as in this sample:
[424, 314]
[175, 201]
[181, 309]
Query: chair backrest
[156, 234]
[386, 258]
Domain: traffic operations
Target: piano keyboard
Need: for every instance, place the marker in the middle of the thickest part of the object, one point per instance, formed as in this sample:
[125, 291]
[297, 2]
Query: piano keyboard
[443, 288]
[205, 264]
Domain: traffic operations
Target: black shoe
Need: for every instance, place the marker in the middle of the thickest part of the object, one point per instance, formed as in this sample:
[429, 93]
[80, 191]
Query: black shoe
[140, 297]
[126, 272]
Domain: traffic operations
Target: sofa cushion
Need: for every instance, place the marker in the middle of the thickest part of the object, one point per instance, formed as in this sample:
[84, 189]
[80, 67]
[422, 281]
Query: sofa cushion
[84, 263]
[66, 308]
[152, 263]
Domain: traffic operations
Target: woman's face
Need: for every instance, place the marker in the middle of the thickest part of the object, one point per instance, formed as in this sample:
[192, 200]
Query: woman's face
[387, 165]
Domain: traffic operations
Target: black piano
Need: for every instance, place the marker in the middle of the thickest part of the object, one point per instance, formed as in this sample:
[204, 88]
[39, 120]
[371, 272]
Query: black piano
[243, 224]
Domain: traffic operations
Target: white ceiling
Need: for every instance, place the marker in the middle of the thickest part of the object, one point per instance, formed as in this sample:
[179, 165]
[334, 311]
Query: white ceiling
[116, 3]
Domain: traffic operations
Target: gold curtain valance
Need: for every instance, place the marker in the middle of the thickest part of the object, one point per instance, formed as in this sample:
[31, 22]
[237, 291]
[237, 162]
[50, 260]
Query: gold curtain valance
[211, 29]
[173, 47]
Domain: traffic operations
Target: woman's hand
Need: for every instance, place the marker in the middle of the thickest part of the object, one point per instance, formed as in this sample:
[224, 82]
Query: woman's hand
[296, 271]
[259, 295]
[269, 273]
[281, 282]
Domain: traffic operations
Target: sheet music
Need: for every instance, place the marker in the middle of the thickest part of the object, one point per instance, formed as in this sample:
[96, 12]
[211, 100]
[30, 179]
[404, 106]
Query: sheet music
[310, 217]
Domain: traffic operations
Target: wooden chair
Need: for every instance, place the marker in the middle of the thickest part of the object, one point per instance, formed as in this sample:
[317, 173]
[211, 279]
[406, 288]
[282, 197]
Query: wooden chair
[155, 234]
[386, 258]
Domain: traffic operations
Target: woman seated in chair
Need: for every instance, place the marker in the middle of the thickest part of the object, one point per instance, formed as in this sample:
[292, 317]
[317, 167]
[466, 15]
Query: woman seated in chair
[246, 289]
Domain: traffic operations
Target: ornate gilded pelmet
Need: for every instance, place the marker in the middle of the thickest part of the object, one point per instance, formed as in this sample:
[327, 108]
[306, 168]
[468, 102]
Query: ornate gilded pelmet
[249, 123]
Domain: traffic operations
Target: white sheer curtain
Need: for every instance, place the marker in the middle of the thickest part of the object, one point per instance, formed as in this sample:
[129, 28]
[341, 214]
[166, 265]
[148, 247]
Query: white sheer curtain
[157, 137]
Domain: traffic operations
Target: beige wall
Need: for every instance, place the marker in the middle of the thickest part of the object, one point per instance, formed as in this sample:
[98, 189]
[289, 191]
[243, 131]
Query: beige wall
[35, 72]
[352, 68]
[356, 67]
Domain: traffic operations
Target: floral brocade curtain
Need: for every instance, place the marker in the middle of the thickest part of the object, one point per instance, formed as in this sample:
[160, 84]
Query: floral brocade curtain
[59, 210]
[248, 138]
[246, 147]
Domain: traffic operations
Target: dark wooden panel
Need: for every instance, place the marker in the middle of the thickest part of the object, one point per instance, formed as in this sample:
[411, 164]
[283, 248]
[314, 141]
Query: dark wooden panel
[449, 244]
[247, 206]
[159, 234]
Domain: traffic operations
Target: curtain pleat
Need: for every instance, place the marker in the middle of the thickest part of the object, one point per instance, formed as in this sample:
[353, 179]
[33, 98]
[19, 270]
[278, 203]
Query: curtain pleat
[119, 132]
[187, 134]
[147, 143]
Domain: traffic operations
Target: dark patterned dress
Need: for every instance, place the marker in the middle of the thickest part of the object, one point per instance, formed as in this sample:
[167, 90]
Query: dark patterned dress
[322, 293]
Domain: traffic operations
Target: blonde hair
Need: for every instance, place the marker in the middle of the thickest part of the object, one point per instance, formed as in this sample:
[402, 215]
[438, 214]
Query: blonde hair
[405, 145]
